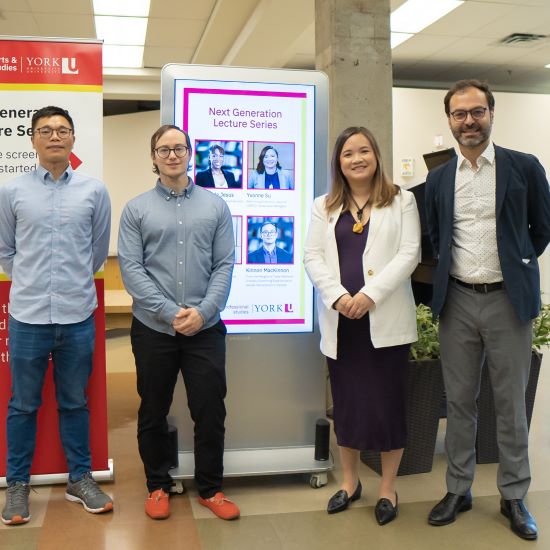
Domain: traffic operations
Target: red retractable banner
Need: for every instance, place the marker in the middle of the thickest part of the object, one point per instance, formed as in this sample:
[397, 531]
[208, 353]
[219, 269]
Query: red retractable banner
[67, 73]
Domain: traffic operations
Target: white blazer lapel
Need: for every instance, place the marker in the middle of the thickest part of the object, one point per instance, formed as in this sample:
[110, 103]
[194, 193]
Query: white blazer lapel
[377, 216]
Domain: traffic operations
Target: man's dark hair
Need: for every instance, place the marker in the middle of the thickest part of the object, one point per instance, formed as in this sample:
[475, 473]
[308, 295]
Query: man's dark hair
[462, 85]
[268, 223]
[49, 111]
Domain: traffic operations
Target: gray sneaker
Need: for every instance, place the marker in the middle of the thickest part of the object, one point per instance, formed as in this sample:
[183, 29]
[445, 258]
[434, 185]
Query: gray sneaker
[16, 510]
[87, 492]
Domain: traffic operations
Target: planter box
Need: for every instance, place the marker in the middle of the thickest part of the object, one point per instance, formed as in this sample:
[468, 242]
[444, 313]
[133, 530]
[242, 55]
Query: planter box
[425, 388]
[486, 439]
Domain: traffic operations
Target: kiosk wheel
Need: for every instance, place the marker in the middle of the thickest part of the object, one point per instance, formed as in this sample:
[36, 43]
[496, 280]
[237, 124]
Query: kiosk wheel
[316, 481]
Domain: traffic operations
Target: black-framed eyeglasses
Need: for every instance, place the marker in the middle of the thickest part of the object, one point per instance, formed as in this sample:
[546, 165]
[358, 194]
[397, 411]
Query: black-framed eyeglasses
[47, 132]
[180, 151]
[461, 115]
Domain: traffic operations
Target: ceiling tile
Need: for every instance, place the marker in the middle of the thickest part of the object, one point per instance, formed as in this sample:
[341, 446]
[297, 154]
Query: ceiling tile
[175, 33]
[460, 50]
[14, 5]
[158, 57]
[514, 2]
[505, 54]
[18, 24]
[467, 18]
[301, 61]
[224, 27]
[423, 46]
[420, 71]
[520, 19]
[77, 26]
[61, 7]
[182, 9]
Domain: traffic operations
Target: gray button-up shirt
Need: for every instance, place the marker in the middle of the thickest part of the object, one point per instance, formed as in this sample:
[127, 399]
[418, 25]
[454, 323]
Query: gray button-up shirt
[54, 235]
[176, 251]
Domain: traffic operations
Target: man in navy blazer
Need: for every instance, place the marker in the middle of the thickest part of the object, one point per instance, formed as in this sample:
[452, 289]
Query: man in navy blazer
[488, 214]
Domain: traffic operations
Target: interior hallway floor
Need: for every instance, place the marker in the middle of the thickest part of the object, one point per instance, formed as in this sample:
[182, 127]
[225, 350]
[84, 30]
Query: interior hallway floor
[278, 512]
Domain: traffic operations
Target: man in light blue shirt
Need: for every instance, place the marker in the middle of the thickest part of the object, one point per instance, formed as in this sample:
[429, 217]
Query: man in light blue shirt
[176, 253]
[54, 235]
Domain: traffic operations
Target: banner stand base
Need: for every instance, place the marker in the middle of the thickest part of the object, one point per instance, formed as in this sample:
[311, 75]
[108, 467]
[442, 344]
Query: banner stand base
[54, 479]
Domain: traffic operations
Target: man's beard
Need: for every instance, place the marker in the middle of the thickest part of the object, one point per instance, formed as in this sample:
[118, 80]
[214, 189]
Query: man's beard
[472, 142]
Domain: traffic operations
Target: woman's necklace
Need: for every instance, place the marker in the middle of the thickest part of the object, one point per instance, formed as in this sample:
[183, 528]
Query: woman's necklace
[358, 226]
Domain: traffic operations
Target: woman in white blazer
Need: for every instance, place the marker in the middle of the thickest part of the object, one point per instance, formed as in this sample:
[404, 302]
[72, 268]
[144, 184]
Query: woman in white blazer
[363, 244]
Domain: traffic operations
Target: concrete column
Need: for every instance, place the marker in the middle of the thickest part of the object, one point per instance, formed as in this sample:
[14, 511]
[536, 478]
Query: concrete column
[352, 45]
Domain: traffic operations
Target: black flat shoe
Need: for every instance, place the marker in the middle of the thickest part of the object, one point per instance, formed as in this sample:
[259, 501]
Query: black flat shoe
[446, 510]
[339, 501]
[385, 511]
[522, 522]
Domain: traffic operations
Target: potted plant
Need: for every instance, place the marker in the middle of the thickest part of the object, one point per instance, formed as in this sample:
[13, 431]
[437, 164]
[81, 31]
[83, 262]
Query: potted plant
[424, 394]
[486, 440]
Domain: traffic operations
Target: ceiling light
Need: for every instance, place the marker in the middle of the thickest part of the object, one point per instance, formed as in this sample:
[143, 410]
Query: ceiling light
[415, 15]
[129, 31]
[122, 56]
[398, 38]
[135, 8]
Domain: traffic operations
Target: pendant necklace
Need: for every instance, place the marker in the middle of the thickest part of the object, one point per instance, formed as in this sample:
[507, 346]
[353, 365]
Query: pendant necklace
[358, 226]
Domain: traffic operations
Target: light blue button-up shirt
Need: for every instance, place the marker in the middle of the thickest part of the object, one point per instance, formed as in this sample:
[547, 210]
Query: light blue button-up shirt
[54, 235]
[176, 251]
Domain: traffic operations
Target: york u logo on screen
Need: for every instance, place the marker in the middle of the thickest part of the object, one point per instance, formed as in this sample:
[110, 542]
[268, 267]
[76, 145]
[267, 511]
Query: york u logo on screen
[273, 308]
[63, 65]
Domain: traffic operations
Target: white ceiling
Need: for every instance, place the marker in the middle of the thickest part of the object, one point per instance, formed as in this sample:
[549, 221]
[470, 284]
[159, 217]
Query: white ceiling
[260, 33]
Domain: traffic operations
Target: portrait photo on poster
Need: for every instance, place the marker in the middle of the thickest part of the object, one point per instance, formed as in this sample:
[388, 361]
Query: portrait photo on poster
[270, 240]
[219, 164]
[270, 165]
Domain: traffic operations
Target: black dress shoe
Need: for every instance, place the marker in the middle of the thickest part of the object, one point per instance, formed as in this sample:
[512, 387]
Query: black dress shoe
[339, 501]
[446, 510]
[522, 522]
[385, 511]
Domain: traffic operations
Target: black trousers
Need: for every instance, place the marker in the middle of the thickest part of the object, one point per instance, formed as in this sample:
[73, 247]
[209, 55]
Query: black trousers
[201, 360]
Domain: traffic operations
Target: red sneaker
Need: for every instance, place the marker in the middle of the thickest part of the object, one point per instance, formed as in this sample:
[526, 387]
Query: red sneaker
[157, 505]
[221, 506]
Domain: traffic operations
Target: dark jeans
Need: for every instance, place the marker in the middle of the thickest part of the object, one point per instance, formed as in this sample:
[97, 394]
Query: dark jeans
[71, 347]
[201, 361]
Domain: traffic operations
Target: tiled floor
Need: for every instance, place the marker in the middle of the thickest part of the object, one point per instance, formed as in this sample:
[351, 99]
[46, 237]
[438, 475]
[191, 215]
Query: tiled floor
[280, 512]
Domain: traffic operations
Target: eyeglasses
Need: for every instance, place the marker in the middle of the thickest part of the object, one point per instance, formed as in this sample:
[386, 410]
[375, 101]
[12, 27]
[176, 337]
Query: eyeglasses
[477, 114]
[180, 151]
[47, 132]
[269, 232]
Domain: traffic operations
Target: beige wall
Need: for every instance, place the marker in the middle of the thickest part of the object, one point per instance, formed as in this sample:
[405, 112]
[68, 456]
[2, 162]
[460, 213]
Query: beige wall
[521, 123]
[126, 160]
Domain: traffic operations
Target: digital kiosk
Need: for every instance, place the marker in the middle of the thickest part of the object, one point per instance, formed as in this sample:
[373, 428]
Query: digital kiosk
[269, 129]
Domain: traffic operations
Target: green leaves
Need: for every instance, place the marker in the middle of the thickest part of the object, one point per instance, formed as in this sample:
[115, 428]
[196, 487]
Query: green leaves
[427, 345]
[541, 328]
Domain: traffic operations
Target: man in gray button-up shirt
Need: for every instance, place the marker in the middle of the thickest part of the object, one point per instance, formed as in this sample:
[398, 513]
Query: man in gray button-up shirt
[176, 251]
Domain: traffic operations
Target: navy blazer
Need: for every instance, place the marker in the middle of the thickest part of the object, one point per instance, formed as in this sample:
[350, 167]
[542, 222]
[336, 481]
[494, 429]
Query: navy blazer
[522, 224]
[257, 257]
[206, 179]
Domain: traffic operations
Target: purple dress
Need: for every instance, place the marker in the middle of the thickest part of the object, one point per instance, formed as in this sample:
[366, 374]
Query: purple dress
[368, 384]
